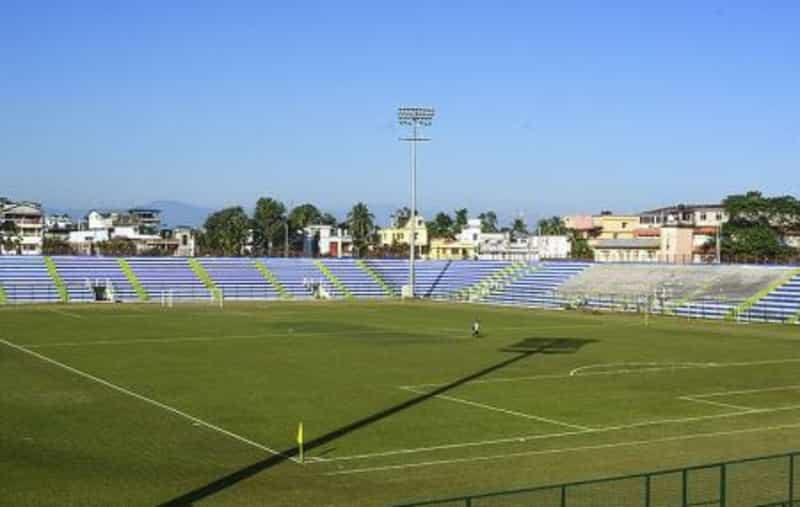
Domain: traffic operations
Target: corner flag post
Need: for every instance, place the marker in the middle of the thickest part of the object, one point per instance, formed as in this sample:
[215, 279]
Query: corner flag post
[300, 440]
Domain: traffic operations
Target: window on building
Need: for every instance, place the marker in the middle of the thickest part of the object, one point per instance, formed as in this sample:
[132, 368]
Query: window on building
[719, 216]
[184, 240]
[624, 225]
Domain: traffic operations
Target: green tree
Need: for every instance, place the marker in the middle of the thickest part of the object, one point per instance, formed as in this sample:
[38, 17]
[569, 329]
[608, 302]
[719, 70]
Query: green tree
[155, 252]
[304, 215]
[552, 226]
[756, 226]
[441, 226]
[580, 248]
[361, 224]
[55, 246]
[299, 218]
[462, 215]
[117, 247]
[488, 221]
[328, 219]
[269, 222]
[518, 227]
[226, 232]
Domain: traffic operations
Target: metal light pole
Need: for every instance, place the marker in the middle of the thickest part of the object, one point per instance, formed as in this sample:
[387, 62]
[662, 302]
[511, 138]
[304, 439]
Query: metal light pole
[414, 117]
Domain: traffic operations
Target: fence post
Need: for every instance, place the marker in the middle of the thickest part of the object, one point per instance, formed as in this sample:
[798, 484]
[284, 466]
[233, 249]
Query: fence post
[722, 485]
[468, 502]
[684, 488]
[791, 479]
[563, 496]
[647, 490]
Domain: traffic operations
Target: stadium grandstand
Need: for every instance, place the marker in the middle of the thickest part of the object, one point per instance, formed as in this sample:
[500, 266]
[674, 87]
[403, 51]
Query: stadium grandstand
[741, 292]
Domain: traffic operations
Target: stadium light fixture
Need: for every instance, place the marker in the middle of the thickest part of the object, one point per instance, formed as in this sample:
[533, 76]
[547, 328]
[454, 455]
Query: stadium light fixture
[416, 118]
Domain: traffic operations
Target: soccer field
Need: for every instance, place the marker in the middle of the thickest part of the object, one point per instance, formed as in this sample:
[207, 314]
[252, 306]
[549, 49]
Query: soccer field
[143, 405]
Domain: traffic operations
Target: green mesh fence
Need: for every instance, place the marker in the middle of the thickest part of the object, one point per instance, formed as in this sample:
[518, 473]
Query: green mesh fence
[767, 481]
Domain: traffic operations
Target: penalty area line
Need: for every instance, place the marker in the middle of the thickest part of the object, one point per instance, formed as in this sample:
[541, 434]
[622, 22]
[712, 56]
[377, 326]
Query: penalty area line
[631, 443]
[503, 410]
[549, 436]
[578, 372]
[145, 399]
[715, 403]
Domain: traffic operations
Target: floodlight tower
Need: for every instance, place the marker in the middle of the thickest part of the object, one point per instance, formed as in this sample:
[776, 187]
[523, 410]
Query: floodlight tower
[416, 118]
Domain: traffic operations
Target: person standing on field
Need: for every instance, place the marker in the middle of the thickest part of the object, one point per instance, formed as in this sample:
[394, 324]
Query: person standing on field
[476, 328]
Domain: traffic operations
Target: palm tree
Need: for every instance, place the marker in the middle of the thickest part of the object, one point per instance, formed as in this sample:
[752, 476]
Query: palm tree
[361, 223]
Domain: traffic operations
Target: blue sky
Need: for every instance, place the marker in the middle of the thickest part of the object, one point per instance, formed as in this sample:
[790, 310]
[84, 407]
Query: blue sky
[553, 107]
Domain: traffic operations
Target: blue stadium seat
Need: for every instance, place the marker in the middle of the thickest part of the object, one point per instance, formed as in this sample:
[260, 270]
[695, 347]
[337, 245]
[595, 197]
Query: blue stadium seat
[25, 280]
[81, 273]
[238, 278]
[536, 288]
[358, 282]
[168, 275]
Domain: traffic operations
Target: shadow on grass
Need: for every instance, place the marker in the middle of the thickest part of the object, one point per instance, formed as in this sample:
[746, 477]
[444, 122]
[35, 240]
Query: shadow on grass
[523, 349]
[549, 345]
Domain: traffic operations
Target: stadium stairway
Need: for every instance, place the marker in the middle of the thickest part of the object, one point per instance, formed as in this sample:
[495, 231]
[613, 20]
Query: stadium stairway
[781, 304]
[333, 279]
[297, 275]
[493, 282]
[80, 274]
[536, 287]
[237, 278]
[458, 276]
[270, 277]
[168, 276]
[132, 279]
[395, 273]
[387, 289]
[204, 277]
[359, 282]
[25, 279]
[52, 270]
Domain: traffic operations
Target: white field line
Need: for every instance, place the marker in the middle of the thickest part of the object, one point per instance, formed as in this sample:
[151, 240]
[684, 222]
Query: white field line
[145, 399]
[547, 436]
[615, 372]
[68, 314]
[631, 443]
[282, 334]
[504, 411]
[715, 403]
[748, 391]
[151, 340]
[627, 367]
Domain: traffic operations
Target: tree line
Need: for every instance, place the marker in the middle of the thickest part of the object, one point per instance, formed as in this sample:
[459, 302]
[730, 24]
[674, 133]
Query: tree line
[758, 227]
[277, 230]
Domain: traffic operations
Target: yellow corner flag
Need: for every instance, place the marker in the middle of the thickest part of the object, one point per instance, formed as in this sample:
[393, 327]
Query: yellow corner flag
[300, 439]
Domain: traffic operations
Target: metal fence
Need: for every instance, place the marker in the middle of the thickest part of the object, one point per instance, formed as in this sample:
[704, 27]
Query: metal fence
[766, 481]
[31, 292]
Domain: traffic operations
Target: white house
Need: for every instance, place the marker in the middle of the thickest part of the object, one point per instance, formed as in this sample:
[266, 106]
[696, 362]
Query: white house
[531, 248]
[331, 241]
[28, 219]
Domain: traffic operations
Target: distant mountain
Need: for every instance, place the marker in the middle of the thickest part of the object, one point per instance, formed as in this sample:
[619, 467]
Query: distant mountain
[174, 213]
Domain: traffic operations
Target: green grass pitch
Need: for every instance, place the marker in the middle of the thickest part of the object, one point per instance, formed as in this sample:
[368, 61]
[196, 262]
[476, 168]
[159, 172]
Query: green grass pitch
[142, 405]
